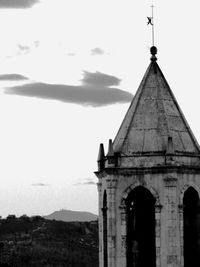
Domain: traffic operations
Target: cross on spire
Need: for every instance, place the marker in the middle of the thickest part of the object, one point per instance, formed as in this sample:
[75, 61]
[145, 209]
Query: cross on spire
[151, 22]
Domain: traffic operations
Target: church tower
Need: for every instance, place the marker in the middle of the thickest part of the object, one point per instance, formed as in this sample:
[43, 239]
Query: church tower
[149, 183]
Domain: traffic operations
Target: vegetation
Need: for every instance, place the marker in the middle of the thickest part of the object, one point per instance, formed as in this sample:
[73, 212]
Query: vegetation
[37, 242]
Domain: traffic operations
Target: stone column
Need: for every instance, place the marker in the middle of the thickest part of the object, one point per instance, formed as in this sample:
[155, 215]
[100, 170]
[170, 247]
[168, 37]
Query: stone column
[111, 186]
[172, 223]
[181, 233]
[100, 223]
[158, 233]
[123, 235]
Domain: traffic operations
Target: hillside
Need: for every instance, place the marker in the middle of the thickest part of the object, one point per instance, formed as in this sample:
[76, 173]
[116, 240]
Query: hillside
[71, 216]
[37, 242]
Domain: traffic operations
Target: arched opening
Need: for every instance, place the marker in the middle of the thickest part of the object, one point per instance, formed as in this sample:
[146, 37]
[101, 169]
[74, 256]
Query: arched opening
[141, 249]
[105, 240]
[191, 228]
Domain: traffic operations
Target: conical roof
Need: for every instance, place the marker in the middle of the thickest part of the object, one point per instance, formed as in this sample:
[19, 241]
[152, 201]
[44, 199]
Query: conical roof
[154, 117]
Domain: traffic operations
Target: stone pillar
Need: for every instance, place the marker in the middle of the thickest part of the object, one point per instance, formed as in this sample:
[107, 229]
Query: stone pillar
[111, 186]
[99, 187]
[123, 235]
[181, 233]
[172, 223]
[158, 233]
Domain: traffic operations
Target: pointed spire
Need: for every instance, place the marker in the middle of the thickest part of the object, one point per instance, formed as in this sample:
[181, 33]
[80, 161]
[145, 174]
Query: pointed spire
[153, 116]
[111, 154]
[110, 149]
[101, 158]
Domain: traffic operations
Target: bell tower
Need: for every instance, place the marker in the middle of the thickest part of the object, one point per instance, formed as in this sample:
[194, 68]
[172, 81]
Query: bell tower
[149, 183]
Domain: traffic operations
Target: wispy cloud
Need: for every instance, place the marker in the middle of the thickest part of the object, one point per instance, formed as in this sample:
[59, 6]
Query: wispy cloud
[36, 43]
[17, 3]
[71, 54]
[23, 49]
[12, 77]
[40, 184]
[97, 51]
[87, 181]
[96, 90]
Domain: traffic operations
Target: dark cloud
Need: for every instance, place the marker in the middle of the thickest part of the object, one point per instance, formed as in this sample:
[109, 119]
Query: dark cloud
[39, 184]
[95, 91]
[99, 79]
[12, 77]
[97, 51]
[17, 3]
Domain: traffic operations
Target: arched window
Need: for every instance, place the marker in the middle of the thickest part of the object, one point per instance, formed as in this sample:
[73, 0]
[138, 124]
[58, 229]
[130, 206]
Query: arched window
[105, 232]
[191, 228]
[141, 249]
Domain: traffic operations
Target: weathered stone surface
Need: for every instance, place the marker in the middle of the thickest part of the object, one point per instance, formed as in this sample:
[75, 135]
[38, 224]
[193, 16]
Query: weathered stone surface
[155, 150]
[153, 116]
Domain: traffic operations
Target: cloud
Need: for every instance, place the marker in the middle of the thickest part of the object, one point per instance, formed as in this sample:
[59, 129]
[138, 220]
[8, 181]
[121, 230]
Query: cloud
[23, 49]
[71, 54]
[17, 3]
[36, 43]
[95, 91]
[86, 182]
[12, 77]
[99, 79]
[39, 184]
[97, 51]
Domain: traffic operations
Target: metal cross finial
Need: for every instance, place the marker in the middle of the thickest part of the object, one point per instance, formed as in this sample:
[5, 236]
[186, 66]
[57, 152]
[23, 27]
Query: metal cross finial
[151, 22]
[152, 25]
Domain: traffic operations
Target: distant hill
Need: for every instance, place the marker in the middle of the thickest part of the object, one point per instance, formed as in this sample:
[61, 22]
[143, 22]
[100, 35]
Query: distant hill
[72, 216]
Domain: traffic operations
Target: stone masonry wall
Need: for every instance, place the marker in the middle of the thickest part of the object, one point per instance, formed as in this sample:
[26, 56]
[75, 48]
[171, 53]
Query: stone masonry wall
[168, 190]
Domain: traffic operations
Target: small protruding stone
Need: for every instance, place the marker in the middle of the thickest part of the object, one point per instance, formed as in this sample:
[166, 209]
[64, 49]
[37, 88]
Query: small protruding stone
[101, 158]
[111, 154]
[170, 146]
[110, 149]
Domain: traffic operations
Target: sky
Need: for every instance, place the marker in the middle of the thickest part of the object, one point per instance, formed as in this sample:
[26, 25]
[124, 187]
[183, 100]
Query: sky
[68, 71]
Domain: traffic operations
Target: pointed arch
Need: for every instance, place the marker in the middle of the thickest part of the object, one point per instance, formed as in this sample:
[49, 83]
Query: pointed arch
[139, 225]
[184, 188]
[182, 217]
[191, 231]
[157, 215]
[140, 209]
[133, 186]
